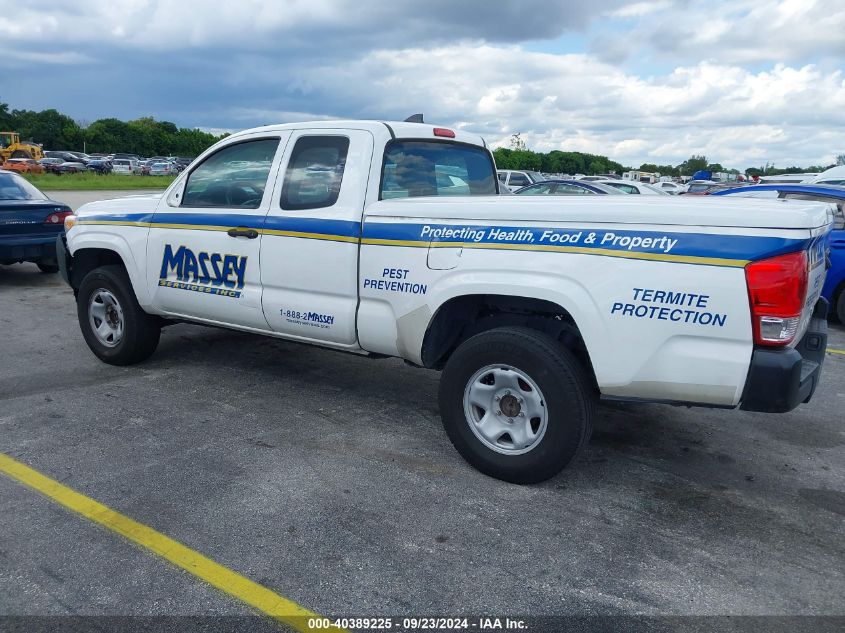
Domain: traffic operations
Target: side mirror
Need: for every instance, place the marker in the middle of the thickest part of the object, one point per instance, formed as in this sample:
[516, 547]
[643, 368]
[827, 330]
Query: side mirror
[174, 198]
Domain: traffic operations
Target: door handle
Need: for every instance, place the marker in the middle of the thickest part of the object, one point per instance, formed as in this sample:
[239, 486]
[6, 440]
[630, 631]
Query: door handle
[242, 231]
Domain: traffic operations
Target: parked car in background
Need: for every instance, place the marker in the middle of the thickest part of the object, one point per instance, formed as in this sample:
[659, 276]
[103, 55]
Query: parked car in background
[514, 180]
[30, 222]
[126, 166]
[634, 187]
[163, 169]
[66, 156]
[834, 286]
[23, 166]
[69, 167]
[124, 156]
[100, 166]
[50, 164]
[567, 188]
[182, 162]
[698, 187]
[81, 157]
[832, 176]
[670, 187]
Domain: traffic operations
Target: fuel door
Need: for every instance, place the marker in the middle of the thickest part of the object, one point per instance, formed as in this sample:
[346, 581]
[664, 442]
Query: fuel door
[444, 255]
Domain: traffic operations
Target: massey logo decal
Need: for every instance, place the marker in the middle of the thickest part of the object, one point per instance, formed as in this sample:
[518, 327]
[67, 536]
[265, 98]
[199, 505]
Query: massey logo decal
[211, 273]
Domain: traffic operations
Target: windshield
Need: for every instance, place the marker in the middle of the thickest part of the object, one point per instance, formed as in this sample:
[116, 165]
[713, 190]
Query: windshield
[607, 188]
[697, 187]
[13, 187]
[436, 168]
[656, 189]
[536, 176]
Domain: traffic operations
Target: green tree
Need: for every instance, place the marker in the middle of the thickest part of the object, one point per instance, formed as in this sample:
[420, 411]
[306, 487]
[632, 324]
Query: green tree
[6, 120]
[517, 143]
[693, 164]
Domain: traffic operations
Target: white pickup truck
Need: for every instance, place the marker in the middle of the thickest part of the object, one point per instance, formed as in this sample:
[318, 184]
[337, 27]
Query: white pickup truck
[387, 239]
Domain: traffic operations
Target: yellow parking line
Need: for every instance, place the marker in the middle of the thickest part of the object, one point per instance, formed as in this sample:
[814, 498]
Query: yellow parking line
[231, 582]
[836, 351]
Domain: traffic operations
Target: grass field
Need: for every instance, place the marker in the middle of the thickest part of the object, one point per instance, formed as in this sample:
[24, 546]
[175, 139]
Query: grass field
[94, 182]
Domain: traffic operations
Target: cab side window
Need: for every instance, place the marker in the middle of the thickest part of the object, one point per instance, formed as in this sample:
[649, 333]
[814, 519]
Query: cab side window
[233, 177]
[314, 172]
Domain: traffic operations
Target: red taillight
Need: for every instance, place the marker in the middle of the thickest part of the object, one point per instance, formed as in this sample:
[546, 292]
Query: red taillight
[777, 290]
[56, 218]
[442, 131]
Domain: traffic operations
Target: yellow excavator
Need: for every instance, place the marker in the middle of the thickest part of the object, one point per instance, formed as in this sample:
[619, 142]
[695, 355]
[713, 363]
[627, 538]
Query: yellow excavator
[11, 147]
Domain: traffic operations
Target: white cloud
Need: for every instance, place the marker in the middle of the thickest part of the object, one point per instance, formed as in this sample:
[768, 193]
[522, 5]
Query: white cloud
[639, 9]
[744, 31]
[743, 81]
[576, 102]
[318, 25]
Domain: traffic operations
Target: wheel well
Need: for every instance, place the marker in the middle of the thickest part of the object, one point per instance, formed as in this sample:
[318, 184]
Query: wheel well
[87, 259]
[463, 317]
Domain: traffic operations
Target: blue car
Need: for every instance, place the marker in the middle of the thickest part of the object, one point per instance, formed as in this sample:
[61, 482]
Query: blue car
[29, 223]
[834, 286]
[567, 188]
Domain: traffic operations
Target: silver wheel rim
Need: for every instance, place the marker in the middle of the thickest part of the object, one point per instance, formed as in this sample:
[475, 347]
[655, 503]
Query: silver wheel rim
[505, 409]
[105, 317]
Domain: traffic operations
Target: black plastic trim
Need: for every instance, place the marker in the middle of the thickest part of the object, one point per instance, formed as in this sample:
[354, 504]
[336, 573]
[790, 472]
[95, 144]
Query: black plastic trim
[63, 257]
[389, 129]
[779, 379]
[674, 403]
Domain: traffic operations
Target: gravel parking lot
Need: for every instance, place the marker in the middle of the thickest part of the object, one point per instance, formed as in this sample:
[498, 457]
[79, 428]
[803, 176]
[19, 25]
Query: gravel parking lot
[328, 478]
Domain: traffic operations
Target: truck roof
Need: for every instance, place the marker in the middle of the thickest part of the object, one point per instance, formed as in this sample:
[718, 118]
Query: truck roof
[382, 130]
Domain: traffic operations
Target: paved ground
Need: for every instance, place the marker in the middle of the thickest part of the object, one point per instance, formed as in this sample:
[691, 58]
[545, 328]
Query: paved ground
[328, 478]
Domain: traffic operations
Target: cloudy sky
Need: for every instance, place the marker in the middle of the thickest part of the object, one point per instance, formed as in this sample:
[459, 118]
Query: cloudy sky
[741, 81]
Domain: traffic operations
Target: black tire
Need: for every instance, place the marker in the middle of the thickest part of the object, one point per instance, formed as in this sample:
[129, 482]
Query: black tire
[141, 331]
[840, 307]
[47, 268]
[560, 377]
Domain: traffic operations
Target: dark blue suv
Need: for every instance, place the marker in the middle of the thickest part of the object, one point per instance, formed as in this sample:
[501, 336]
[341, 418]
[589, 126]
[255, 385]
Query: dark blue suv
[834, 285]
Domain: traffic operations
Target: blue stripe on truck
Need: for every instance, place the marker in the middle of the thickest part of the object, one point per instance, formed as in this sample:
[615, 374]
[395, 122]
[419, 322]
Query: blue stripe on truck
[690, 248]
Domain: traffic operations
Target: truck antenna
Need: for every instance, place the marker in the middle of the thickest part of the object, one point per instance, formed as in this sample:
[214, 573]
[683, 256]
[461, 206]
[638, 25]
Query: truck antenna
[415, 118]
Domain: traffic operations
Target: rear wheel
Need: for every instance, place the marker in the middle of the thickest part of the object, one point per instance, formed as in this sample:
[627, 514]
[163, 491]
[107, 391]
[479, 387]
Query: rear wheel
[115, 327]
[840, 306]
[516, 404]
[47, 268]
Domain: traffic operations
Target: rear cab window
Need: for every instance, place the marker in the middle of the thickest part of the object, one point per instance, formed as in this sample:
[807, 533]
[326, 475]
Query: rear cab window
[414, 168]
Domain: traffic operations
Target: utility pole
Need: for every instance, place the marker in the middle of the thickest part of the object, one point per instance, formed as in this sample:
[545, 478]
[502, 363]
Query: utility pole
[83, 125]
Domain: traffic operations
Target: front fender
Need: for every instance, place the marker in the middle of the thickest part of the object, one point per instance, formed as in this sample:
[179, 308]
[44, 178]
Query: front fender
[130, 244]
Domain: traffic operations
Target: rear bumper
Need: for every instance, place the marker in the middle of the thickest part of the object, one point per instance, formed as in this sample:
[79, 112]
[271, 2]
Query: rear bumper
[28, 249]
[781, 379]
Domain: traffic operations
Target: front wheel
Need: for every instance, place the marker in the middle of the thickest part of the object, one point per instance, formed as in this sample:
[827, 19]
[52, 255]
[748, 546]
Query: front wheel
[516, 404]
[115, 327]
